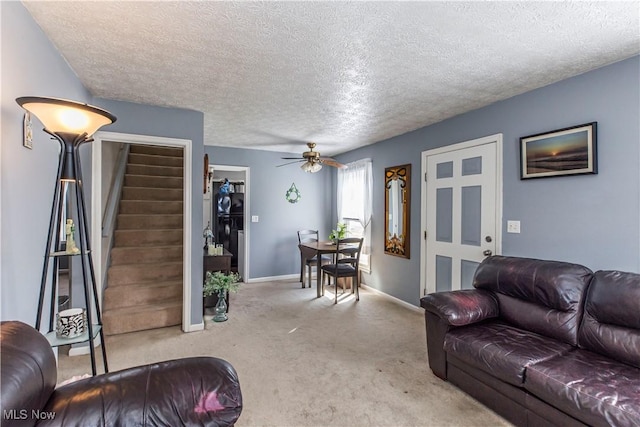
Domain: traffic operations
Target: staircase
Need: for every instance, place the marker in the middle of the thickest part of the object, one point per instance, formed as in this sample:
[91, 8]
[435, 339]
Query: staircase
[144, 279]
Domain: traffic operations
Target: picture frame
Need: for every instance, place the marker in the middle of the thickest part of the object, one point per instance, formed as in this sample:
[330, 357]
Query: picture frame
[567, 151]
[27, 131]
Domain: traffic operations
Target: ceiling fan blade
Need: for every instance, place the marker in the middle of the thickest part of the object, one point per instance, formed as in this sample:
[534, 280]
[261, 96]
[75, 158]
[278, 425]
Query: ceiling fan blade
[290, 163]
[291, 158]
[331, 162]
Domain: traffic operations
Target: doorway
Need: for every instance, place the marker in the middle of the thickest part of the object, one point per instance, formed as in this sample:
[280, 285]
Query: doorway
[96, 208]
[461, 212]
[226, 212]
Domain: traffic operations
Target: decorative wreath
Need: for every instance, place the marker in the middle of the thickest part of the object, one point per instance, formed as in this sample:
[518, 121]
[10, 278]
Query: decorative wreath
[293, 195]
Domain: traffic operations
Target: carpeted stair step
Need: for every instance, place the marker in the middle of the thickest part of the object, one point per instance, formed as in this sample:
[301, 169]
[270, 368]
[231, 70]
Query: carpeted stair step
[143, 193]
[154, 170]
[160, 151]
[129, 274]
[142, 293]
[155, 160]
[142, 222]
[150, 207]
[142, 317]
[145, 254]
[153, 181]
[147, 237]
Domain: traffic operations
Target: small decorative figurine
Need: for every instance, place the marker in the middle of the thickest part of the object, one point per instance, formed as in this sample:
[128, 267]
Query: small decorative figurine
[208, 236]
[69, 229]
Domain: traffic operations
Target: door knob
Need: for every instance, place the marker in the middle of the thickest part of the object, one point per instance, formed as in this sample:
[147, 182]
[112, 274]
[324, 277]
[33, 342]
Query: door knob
[487, 252]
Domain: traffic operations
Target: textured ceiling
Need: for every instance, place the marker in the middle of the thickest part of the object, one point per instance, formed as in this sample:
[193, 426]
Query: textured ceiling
[272, 75]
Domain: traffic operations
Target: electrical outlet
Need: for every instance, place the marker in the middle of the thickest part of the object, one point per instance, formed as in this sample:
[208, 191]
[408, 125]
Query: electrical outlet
[513, 226]
[254, 218]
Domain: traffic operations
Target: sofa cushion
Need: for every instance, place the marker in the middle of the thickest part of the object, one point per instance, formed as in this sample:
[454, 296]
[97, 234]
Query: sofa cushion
[501, 349]
[611, 323]
[540, 296]
[592, 388]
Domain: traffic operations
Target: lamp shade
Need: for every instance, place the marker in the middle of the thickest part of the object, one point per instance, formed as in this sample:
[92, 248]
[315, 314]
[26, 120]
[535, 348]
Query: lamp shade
[306, 166]
[64, 116]
[311, 167]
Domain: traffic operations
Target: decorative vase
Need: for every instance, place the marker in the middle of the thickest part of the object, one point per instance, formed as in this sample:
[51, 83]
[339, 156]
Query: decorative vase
[220, 309]
[71, 323]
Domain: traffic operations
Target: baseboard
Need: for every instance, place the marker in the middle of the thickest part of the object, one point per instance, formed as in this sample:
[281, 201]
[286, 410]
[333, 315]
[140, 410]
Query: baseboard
[273, 278]
[394, 299]
[194, 327]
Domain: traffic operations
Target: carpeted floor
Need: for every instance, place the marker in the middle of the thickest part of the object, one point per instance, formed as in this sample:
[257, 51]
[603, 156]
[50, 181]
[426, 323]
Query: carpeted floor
[303, 361]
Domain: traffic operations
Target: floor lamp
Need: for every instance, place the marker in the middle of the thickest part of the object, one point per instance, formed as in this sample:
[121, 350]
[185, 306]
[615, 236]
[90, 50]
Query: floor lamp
[71, 124]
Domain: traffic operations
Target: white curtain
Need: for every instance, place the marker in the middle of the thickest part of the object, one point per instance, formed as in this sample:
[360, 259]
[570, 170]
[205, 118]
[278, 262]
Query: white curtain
[355, 193]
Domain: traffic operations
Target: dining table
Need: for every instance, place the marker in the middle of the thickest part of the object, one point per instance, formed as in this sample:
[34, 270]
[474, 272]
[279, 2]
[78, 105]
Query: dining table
[310, 249]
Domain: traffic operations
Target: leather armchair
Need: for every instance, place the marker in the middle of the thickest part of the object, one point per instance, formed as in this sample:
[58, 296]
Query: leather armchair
[198, 391]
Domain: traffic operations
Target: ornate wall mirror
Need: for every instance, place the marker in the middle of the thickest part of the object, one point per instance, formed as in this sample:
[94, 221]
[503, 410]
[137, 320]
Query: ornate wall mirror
[397, 206]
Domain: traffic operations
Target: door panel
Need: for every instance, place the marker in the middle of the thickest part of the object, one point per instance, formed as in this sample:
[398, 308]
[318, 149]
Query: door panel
[471, 211]
[460, 208]
[444, 215]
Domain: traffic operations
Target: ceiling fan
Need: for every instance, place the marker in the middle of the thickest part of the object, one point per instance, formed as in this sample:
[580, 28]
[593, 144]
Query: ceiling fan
[312, 160]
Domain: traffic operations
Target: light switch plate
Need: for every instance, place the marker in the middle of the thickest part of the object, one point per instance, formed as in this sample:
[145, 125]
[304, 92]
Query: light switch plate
[254, 218]
[513, 226]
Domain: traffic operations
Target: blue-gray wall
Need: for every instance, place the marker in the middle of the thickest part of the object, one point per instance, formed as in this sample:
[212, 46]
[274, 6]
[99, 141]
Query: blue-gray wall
[273, 241]
[171, 123]
[593, 220]
[30, 67]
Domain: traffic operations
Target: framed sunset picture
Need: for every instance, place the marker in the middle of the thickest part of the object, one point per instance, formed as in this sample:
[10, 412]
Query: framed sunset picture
[568, 151]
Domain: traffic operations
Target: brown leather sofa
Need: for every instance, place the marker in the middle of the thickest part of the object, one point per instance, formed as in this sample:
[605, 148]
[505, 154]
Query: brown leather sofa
[198, 391]
[542, 342]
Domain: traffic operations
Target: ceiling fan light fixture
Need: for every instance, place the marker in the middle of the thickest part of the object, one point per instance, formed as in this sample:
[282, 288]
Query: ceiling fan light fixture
[306, 166]
[311, 167]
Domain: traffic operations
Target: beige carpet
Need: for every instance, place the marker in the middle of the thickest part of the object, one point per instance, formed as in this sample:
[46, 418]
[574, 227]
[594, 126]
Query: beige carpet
[304, 361]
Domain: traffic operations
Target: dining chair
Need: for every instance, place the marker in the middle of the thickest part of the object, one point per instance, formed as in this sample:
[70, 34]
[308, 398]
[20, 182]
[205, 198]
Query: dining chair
[346, 264]
[305, 236]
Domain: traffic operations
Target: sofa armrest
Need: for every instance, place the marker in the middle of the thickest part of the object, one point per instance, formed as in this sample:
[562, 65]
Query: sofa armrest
[459, 308]
[190, 391]
[446, 310]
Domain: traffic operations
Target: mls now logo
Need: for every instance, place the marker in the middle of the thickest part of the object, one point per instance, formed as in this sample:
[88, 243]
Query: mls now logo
[23, 414]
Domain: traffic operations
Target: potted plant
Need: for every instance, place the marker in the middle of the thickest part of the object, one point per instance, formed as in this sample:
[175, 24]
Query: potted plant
[216, 287]
[339, 233]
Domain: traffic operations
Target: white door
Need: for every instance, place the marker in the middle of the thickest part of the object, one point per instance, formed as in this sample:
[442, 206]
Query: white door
[461, 212]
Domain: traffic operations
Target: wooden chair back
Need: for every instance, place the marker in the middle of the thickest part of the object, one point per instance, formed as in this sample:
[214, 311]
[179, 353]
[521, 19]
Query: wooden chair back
[305, 236]
[348, 251]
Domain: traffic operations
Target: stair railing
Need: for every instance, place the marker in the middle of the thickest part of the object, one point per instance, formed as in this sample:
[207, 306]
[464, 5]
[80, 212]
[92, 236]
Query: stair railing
[111, 208]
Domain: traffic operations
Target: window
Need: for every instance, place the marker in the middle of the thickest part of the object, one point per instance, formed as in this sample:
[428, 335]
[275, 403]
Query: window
[354, 228]
[354, 201]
